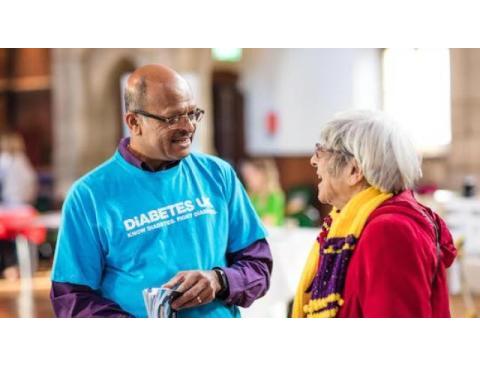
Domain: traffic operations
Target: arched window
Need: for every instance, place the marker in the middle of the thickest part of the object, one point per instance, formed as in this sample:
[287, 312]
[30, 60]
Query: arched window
[416, 90]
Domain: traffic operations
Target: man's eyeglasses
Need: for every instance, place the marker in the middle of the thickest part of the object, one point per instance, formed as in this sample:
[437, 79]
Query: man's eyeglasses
[194, 116]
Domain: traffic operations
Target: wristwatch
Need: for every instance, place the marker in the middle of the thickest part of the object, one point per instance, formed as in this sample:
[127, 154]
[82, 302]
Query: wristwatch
[222, 279]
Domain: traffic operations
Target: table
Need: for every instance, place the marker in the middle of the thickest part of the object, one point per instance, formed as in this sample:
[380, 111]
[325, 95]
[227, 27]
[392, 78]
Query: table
[19, 223]
[290, 247]
[22, 224]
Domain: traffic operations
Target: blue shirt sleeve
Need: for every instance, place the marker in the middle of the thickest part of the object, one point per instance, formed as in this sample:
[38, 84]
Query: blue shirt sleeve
[79, 257]
[245, 226]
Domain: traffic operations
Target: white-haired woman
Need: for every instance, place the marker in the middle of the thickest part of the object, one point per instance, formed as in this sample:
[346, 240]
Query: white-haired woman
[380, 253]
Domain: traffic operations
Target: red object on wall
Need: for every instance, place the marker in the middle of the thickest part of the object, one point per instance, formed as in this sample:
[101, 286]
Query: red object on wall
[271, 123]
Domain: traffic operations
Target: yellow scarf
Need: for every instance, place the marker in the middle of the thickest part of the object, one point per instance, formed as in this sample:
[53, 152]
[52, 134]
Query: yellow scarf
[350, 221]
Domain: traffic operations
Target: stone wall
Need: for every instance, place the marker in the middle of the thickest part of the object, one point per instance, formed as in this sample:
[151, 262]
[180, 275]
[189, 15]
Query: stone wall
[87, 121]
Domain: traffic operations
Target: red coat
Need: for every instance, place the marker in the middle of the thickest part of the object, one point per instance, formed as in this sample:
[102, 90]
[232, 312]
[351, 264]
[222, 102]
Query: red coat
[391, 270]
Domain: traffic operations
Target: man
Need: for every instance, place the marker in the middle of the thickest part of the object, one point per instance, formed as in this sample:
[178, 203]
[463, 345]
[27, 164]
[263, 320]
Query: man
[156, 214]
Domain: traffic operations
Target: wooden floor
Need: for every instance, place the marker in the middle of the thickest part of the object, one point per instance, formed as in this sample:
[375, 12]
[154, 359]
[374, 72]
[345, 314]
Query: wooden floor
[17, 301]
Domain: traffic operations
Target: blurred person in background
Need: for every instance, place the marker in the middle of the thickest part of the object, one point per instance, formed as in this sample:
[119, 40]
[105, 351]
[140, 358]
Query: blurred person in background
[300, 211]
[157, 215]
[17, 177]
[18, 182]
[380, 253]
[263, 187]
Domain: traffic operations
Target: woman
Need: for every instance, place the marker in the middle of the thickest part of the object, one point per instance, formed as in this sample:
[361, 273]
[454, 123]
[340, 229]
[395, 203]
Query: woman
[263, 186]
[380, 253]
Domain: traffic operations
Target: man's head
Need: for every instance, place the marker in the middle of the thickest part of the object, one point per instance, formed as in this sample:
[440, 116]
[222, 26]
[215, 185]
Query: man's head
[161, 113]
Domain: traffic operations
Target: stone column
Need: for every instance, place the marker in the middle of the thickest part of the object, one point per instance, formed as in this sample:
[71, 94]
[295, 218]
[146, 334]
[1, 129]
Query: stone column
[464, 158]
[69, 101]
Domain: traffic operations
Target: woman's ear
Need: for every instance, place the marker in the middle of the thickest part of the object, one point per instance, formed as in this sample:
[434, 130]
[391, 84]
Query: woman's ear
[355, 173]
[133, 124]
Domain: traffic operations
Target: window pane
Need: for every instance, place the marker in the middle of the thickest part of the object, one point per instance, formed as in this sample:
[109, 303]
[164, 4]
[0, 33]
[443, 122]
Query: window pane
[416, 91]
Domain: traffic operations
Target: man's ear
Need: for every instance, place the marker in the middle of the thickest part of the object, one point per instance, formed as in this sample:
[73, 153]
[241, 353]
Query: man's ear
[355, 173]
[133, 124]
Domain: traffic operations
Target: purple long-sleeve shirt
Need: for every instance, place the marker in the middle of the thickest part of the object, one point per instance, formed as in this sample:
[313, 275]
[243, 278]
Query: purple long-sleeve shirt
[248, 275]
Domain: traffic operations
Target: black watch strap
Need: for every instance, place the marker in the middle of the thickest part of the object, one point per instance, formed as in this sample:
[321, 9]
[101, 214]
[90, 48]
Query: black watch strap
[222, 278]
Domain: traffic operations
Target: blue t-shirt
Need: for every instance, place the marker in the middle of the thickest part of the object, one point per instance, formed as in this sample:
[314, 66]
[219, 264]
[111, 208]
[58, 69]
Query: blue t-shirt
[124, 229]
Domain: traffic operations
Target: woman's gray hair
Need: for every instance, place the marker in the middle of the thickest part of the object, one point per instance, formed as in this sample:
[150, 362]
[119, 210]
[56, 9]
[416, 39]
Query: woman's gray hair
[381, 148]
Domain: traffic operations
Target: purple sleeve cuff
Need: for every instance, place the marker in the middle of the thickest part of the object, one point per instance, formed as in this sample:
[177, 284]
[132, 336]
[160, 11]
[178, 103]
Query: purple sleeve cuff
[78, 301]
[248, 273]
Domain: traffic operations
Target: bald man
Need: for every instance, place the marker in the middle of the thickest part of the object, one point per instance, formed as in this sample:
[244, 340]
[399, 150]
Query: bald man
[156, 214]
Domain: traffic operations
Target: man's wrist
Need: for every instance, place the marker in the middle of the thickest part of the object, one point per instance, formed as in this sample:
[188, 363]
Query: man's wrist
[222, 294]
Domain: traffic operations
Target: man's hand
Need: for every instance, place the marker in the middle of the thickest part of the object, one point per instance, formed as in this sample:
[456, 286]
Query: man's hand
[198, 288]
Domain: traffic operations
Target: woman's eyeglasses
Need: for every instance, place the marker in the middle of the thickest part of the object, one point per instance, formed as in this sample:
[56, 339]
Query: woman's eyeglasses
[319, 148]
